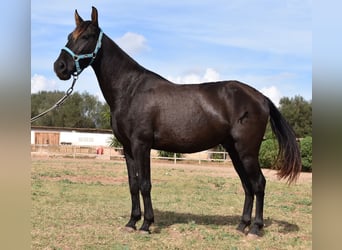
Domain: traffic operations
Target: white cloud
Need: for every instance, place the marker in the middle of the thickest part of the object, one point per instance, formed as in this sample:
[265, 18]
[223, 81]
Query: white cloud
[210, 75]
[132, 43]
[273, 93]
[40, 83]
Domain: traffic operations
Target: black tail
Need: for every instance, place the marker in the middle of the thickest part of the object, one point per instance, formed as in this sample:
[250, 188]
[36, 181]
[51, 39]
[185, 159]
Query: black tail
[289, 160]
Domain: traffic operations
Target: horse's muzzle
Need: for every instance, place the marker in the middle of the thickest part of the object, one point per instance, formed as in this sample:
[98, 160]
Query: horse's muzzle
[61, 70]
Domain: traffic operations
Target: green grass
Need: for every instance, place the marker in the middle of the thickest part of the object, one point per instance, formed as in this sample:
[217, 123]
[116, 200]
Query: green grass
[84, 204]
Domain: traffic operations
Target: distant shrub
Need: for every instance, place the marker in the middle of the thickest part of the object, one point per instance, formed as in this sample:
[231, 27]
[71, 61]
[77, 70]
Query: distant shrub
[218, 155]
[114, 142]
[163, 153]
[306, 152]
[268, 153]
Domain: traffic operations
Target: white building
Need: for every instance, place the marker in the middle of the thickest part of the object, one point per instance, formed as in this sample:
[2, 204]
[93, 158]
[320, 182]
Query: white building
[43, 135]
[88, 137]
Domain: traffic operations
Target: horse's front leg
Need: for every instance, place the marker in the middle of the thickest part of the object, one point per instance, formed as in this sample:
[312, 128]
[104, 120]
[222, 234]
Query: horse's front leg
[142, 160]
[145, 188]
[134, 190]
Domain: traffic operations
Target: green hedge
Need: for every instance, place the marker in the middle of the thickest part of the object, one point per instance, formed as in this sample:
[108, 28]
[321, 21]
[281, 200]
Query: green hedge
[268, 153]
[306, 152]
[269, 150]
[162, 153]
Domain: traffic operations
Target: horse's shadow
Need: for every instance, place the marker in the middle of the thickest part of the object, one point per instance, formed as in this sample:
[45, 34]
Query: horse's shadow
[166, 219]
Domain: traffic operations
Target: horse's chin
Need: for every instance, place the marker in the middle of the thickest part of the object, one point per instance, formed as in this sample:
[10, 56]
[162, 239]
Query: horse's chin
[63, 76]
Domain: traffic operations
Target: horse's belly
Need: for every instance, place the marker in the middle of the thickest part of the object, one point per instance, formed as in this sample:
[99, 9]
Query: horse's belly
[188, 140]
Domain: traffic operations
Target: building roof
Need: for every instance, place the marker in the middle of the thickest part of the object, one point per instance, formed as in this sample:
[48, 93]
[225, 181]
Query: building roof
[85, 130]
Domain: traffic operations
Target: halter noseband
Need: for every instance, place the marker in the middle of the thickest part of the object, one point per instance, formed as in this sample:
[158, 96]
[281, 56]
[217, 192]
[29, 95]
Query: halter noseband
[84, 56]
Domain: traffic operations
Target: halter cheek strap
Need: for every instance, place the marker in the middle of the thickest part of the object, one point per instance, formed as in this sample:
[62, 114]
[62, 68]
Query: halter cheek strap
[85, 56]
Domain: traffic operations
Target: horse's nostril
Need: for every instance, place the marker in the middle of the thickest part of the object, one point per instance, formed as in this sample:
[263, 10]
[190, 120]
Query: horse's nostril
[61, 65]
[61, 69]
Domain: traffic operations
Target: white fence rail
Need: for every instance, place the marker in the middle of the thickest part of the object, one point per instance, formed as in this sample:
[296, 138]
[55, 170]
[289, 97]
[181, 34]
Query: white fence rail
[222, 158]
[109, 153]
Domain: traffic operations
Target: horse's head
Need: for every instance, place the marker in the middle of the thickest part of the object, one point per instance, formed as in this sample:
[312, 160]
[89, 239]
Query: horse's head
[81, 49]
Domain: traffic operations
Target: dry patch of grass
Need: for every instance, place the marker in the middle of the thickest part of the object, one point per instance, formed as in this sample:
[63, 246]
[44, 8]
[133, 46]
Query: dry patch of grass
[84, 204]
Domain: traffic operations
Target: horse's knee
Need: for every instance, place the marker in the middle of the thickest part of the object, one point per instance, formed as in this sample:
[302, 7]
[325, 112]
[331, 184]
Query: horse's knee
[133, 185]
[145, 188]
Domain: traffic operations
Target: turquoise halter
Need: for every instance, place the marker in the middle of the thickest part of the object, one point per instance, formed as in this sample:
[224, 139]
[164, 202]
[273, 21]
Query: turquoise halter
[84, 56]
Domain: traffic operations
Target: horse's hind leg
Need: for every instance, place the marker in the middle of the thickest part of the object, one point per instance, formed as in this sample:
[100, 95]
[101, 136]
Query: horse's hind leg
[258, 183]
[245, 160]
[249, 195]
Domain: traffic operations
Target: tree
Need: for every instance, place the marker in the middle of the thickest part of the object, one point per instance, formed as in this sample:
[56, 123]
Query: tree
[105, 117]
[78, 111]
[41, 102]
[298, 113]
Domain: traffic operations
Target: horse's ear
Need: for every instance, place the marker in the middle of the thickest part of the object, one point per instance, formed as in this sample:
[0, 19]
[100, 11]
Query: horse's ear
[78, 19]
[94, 17]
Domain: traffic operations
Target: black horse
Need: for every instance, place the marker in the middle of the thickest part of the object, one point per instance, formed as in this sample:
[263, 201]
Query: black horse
[150, 112]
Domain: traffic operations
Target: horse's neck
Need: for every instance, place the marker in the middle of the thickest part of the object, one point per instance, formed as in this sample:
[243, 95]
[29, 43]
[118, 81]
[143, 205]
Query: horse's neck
[115, 71]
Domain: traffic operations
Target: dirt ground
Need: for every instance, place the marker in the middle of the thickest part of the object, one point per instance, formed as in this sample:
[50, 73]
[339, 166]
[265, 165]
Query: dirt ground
[211, 169]
[227, 170]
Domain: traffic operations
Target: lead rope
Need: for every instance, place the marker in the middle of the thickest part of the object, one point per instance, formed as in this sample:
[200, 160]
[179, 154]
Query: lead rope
[60, 101]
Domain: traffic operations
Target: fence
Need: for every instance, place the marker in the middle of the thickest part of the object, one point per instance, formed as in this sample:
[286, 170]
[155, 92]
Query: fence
[110, 153]
[223, 157]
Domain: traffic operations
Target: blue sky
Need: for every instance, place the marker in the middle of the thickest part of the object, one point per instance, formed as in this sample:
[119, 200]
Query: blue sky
[266, 44]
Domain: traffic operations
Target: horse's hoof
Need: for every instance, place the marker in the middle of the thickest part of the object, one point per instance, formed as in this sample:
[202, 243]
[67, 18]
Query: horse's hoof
[242, 233]
[129, 229]
[242, 230]
[253, 236]
[144, 232]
